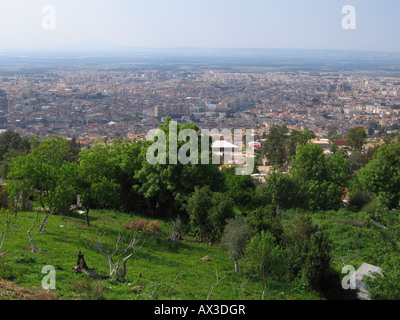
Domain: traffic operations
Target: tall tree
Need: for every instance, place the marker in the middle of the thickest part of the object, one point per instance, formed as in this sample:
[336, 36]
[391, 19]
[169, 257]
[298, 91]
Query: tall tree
[97, 178]
[298, 138]
[275, 145]
[356, 138]
[242, 190]
[321, 182]
[208, 212]
[381, 176]
[265, 257]
[166, 185]
[45, 173]
[234, 239]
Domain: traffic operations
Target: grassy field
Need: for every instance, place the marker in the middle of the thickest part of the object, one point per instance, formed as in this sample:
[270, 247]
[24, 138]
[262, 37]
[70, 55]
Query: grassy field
[351, 240]
[160, 269]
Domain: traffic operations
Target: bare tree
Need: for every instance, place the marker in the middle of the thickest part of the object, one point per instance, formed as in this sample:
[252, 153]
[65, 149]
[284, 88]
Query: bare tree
[7, 223]
[177, 226]
[242, 287]
[218, 280]
[38, 224]
[121, 257]
[117, 256]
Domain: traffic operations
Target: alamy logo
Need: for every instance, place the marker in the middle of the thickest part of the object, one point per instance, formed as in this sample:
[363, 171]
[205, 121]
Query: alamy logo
[349, 20]
[49, 281]
[349, 281]
[229, 149]
[49, 17]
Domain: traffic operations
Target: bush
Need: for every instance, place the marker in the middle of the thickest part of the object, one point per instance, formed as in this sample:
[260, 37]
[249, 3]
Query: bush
[266, 219]
[91, 289]
[208, 212]
[234, 238]
[358, 200]
[144, 225]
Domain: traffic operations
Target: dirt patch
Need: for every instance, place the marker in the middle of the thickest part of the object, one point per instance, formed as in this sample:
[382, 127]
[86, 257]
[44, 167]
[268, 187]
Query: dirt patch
[10, 291]
[43, 295]
[78, 223]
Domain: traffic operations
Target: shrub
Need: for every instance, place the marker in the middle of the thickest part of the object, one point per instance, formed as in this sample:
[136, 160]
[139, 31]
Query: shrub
[144, 226]
[358, 200]
[234, 238]
[91, 289]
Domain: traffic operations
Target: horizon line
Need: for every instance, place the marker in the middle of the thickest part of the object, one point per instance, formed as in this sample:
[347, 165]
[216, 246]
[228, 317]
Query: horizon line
[74, 48]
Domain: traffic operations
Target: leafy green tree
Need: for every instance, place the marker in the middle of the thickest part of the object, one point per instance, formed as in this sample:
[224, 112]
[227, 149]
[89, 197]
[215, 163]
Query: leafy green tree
[338, 166]
[281, 190]
[265, 256]
[97, 178]
[356, 137]
[12, 145]
[166, 186]
[316, 267]
[309, 164]
[321, 181]
[381, 176]
[310, 172]
[333, 147]
[274, 147]
[266, 219]
[198, 207]
[45, 173]
[126, 155]
[386, 255]
[10, 140]
[221, 210]
[208, 212]
[234, 238]
[241, 189]
[333, 135]
[308, 252]
[298, 138]
[75, 148]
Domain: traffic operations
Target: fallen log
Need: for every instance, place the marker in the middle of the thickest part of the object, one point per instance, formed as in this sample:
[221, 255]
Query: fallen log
[82, 267]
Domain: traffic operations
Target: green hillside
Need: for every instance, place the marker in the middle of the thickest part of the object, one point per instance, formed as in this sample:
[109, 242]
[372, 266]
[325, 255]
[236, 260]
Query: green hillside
[160, 269]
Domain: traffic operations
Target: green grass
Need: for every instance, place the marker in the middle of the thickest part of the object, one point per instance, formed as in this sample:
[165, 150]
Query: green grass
[169, 271]
[351, 242]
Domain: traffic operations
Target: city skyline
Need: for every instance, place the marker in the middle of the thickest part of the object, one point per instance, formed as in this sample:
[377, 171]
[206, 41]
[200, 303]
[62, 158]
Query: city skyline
[288, 24]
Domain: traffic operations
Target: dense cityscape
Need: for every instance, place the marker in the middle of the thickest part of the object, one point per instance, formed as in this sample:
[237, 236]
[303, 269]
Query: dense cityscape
[95, 104]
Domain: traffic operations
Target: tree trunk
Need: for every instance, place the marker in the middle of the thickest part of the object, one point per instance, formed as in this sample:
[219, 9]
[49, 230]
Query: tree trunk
[83, 268]
[87, 216]
[124, 269]
[31, 241]
[265, 288]
[236, 267]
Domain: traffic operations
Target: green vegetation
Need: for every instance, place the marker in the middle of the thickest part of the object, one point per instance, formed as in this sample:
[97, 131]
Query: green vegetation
[175, 231]
[160, 269]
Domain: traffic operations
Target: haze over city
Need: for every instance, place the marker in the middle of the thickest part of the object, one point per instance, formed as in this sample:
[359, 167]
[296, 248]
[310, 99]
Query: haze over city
[112, 25]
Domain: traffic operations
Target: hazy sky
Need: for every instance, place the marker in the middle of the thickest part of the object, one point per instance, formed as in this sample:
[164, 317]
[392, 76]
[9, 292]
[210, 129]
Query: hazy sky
[303, 24]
